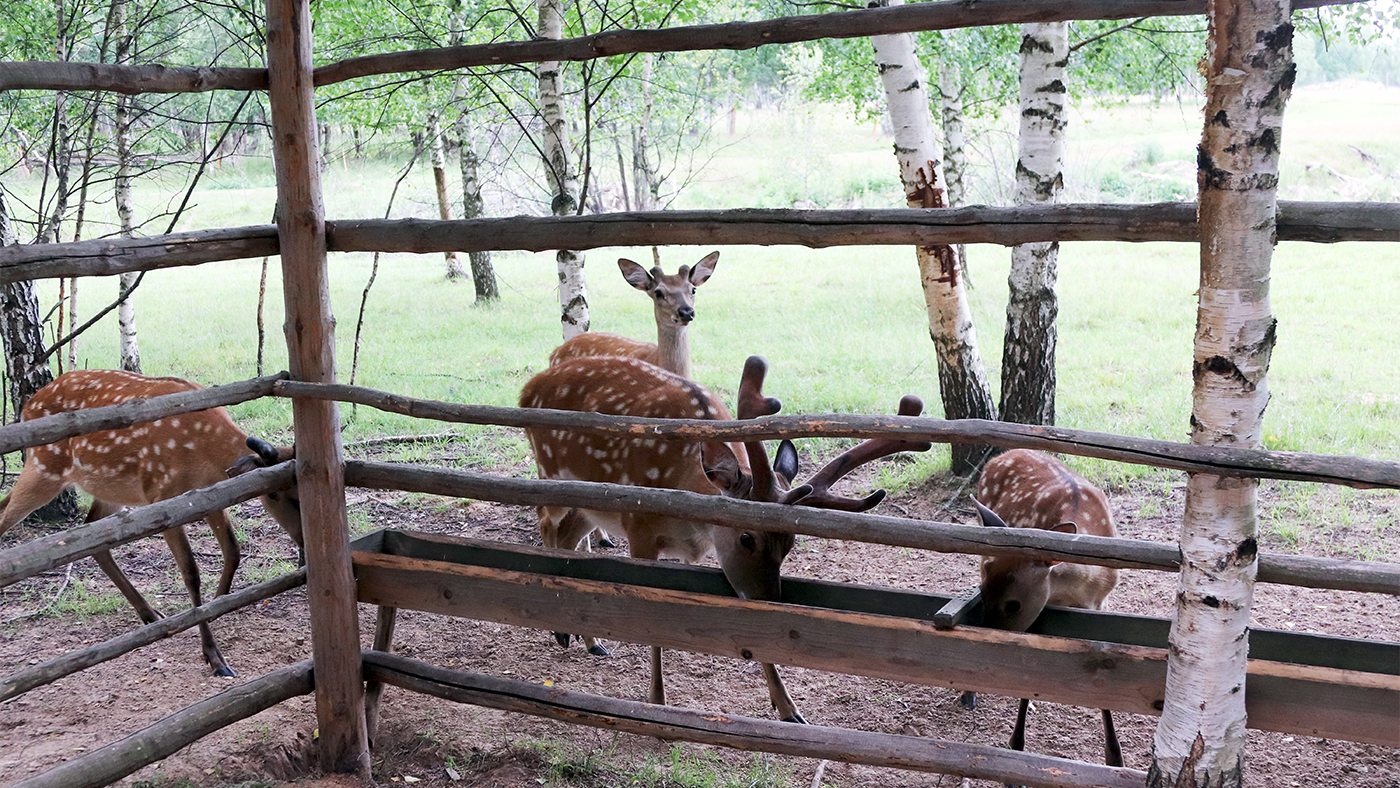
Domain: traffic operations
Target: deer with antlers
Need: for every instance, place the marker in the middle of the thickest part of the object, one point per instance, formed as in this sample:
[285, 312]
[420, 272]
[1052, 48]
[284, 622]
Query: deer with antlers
[1031, 489]
[750, 559]
[143, 464]
[673, 303]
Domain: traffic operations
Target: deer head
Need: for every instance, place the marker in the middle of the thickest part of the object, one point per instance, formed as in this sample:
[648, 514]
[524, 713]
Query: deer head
[672, 295]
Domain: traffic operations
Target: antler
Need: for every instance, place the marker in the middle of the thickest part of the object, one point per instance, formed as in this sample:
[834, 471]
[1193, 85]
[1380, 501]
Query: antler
[751, 405]
[874, 449]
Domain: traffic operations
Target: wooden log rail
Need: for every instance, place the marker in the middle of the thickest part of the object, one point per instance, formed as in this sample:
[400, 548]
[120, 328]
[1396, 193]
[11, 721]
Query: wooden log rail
[65, 547]
[48, 429]
[1325, 222]
[1293, 466]
[728, 36]
[745, 733]
[162, 739]
[22, 681]
[1368, 576]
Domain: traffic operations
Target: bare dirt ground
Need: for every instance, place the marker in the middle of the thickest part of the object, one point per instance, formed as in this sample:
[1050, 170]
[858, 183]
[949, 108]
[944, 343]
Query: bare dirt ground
[437, 743]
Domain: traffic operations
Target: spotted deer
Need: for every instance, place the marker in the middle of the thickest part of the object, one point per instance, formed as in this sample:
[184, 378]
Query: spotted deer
[143, 464]
[673, 302]
[1031, 489]
[750, 559]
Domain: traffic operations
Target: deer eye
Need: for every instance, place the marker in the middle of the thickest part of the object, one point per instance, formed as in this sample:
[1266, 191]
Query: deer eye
[692, 291]
[1013, 607]
[659, 295]
[746, 539]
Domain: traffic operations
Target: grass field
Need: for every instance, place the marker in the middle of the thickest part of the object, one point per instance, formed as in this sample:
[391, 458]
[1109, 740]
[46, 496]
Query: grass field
[844, 329]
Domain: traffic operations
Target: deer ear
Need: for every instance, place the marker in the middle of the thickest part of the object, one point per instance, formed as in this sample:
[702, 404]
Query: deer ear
[722, 467]
[987, 516]
[704, 269]
[1065, 528]
[785, 463]
[635, 275]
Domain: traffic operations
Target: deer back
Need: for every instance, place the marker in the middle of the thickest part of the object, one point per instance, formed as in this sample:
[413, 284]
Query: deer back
[1031, 489]
[601, 343]
[147, 462]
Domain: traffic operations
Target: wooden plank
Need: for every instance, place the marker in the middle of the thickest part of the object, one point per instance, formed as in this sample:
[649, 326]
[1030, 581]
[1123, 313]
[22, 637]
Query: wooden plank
[880, 529]
[343, 746]
[1366, 656]
[109, 256]
[786, 30]
[747, 733]
[22, 681]
[1080, 672]
[108, 764]
[957, 612]
[48, 429]
[129, 79]
[45, 553]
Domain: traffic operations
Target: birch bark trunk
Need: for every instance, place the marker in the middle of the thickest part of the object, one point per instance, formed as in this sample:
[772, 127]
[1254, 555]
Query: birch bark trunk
[962, 382]
[439, 160]
[954, 144]
[1200, 738]
[644, 169]
[130, 351]
[473, 204]
[563, 184]
[1028, 351]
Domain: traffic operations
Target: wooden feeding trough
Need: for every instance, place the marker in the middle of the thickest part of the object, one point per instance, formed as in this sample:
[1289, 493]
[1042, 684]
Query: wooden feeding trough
[1313, 685]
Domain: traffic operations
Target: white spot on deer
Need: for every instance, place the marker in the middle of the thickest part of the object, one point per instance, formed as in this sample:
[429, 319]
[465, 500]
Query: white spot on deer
[190, 445]
[156, 423]
[548, 450]
[175, 423]
[170, 444]
[699, 413]
[653, 473]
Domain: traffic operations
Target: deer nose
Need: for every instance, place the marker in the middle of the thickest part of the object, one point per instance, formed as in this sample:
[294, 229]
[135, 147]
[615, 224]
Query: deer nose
[686, 313]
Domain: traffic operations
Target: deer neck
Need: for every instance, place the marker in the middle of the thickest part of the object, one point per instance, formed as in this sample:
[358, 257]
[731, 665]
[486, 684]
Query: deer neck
[673, 348]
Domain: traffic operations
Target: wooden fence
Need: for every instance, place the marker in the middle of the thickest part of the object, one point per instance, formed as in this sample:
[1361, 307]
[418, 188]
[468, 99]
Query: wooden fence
[303, 240]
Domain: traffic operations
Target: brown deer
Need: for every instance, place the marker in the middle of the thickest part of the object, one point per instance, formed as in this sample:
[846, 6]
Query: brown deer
[1031, 489]
[673, 300]
[143, 464]
[749, 558]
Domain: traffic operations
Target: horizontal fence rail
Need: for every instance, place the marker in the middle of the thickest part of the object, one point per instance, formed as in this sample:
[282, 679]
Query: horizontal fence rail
[1121, 553]
[1220, 461]
[45, 553]
[22, 681]
[168, 736]
[48, 429]
[745, 733]
[1325, 222]
[730, 36]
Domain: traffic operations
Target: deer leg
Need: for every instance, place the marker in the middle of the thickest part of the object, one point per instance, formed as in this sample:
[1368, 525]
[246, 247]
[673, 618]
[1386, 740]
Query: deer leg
[657, 694]
[565, 529]
[179, 545]
[228, 546]
[1113, 754]
[33, 488]
[104, 559]
[1018, 735]
[778, 694]
[968, 700]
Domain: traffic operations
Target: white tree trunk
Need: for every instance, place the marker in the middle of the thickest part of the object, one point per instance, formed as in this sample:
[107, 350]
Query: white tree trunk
[439, 160]
[1200, 738]
[130, 352]
[1028, 351]
[954, 144]
[961, 379]
[563, 184]
[473, 204]
[644, 169]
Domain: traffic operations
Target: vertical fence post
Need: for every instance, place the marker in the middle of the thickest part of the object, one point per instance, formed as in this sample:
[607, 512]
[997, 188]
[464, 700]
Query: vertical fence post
[310, 330]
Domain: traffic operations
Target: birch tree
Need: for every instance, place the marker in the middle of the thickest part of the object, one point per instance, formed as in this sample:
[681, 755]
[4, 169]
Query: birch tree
[962, 382]
[473, 204]
[1200, 738]
[559, 172]
[439, 161]
[130, 352]
[950, 100]
[1028, 351]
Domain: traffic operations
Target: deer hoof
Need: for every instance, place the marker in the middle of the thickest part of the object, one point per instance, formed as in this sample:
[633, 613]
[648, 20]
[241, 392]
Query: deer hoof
[796, 718]
[604, 541]
[562, 638]
[968, 700]
[597, 650]
[224, 671]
